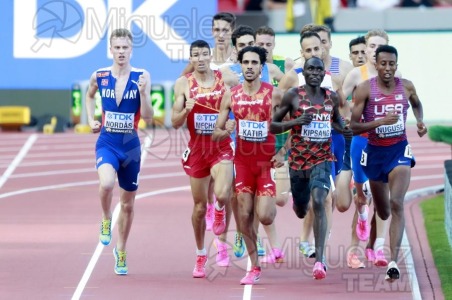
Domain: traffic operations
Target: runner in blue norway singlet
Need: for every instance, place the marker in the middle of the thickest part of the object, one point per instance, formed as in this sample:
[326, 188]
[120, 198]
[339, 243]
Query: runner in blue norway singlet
[118, 143]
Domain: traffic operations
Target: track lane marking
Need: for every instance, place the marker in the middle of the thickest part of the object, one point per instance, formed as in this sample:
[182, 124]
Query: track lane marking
[100, 247]
[19, 157]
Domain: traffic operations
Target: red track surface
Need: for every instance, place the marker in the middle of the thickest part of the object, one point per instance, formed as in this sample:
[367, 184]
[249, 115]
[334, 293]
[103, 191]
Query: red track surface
[49, 222]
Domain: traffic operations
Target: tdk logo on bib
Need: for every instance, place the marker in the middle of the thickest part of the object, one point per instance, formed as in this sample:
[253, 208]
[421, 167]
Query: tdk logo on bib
[119, 122]
[205, 123]
[253, 131]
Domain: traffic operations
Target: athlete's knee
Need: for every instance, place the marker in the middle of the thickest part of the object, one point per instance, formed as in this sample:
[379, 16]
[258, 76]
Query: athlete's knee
[127, 206]
[223, 196]
[397, 206]
[384, 213]
[300, 211]
[281, 199]
[106, 185]
[199, 209]
[266, 220]
[342, 207]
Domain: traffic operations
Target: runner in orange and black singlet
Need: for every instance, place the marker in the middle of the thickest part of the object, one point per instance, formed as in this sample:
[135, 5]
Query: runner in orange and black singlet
[313, 112]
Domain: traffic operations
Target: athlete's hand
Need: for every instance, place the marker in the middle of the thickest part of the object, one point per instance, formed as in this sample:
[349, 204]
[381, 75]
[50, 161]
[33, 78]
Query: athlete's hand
[278, 160]
[421, 129]
[95, 126]
[305, 119]
[189, 104]
[230, 126]
[142, 84]
[347, 132]
[391, 118]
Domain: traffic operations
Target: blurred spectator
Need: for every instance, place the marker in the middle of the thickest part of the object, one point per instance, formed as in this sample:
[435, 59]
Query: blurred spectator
[253, 5]
[443, 3]
[416, 3]
[377, 4]
[229, 6]
[275, 4]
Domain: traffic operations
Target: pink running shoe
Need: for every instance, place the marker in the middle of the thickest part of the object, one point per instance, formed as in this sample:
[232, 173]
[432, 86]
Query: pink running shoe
[354, 262]
[318, 272]
[363, 228]
[210, 216]
[380, 260]
[219, 223]
[276, 256]
[370, 255]
[222, 253]
[251, 276]
[200, 268]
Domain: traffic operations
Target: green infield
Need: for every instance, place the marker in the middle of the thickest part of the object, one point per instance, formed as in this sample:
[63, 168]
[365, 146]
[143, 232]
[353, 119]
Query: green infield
[433, 211]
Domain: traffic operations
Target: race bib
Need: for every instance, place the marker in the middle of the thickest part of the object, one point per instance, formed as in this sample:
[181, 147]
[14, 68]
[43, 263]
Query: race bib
[253, 131]
[117, 122]
[363, 160]
[317, 131]
[205, 123]
[408, 152]
[388, 131]
[185, 154]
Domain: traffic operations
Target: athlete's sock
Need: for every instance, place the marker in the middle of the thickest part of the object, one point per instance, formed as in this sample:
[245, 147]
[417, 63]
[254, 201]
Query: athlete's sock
[202, 252]
[217, 206]
[363, 216]
[378, 245]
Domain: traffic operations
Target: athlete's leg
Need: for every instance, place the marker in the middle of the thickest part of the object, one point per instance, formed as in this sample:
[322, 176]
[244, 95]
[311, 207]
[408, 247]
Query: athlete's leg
[282, 182]
[222, 174]
[343, 192]
[107, 179]
[246, 221]
[399, 181]
[199, 190]
[125, 218]
[319, 196]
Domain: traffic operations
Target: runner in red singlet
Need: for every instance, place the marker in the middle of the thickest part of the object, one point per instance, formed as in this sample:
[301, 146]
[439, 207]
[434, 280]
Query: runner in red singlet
[252, 104]
[198, 98]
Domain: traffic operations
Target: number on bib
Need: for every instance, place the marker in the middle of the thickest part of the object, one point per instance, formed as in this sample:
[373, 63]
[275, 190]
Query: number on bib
[363, 160]
[408, 152]
[186, 154]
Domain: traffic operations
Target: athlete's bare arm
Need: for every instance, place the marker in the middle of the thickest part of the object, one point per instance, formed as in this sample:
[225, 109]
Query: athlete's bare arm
[221, 130]
[344, 67]
[91, 104]
[181, 107]
[361, 96]
[188, 69]
[230, 78]
[337, 122]
[352, 79]
[277, 96]
[144, 86]
[275, 72]
[289, 80]
[416, 105]
[288, 104]
[289, 63]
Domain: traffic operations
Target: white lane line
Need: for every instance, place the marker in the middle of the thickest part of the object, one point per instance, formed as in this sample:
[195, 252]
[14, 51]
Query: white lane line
[80, 183]
[414, 178]
[92, 263]
[248, 287]
[85, 170]
[23, 151]
[409, 262]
